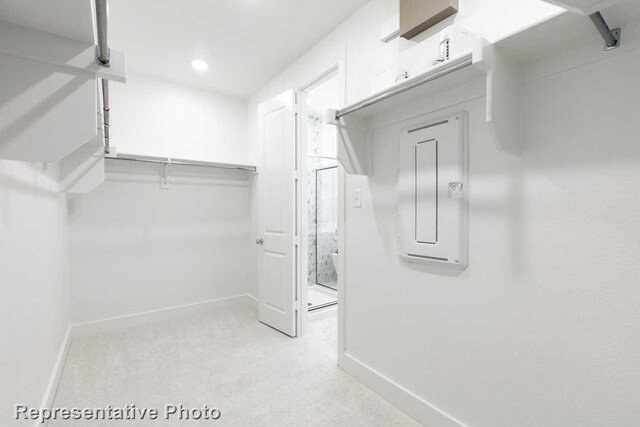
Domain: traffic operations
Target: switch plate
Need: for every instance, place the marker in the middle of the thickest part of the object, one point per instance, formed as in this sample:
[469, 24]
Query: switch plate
[357, 199]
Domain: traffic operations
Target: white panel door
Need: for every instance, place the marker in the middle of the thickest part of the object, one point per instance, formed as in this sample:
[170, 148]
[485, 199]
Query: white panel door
[277, 295]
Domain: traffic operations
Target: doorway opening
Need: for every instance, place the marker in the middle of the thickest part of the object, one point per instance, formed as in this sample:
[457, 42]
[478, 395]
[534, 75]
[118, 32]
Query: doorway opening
[321, 192]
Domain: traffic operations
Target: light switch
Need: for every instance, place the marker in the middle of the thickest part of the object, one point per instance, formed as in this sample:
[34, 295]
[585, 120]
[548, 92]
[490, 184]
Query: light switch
[357, 199]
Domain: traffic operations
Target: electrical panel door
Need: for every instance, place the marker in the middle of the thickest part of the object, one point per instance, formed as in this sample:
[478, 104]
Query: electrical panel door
[432, 192]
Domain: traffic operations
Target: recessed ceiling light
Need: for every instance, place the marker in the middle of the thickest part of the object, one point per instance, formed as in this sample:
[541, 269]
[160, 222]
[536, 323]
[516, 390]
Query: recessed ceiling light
[199, 65]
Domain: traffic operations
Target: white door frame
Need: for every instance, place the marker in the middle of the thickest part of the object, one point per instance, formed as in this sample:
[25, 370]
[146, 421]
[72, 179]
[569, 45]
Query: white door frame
[336, 64]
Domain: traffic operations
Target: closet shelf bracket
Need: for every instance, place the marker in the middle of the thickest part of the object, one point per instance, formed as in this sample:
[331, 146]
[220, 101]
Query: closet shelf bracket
[611, 37]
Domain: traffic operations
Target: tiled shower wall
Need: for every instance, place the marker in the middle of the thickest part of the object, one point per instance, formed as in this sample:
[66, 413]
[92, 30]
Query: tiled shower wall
[311, 210]
[326, 272]
[322, 240]
[326, 225]
[322, 210]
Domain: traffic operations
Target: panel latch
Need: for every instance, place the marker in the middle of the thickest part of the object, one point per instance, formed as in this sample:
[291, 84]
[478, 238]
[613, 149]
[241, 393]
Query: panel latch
[455, 190]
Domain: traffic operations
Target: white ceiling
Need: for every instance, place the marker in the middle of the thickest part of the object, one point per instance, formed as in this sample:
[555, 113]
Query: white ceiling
[245, 42]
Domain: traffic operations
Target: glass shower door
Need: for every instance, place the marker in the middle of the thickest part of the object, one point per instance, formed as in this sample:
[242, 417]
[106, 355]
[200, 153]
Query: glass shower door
[326, 239]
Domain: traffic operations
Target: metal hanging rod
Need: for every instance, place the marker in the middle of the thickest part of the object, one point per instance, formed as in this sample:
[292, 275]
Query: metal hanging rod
[181, 162]
[104, 54]
[104, 59]
[443, 70]
[611, 37]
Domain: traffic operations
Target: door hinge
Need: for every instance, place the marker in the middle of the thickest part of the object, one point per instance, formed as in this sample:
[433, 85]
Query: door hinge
[296, 175]
[297, 107]
[296, 241]
[296, 306]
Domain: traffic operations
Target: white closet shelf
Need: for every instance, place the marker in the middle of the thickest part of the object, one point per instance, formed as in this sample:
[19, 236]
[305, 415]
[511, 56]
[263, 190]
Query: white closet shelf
[354, 120]
[55, 78]
[181, 162]
[453, 72]
[584, 7]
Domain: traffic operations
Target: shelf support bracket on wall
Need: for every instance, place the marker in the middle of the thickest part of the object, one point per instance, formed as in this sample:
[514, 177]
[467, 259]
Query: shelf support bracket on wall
[164, 175]
[611, 37]
[503, 95]
[353, 142]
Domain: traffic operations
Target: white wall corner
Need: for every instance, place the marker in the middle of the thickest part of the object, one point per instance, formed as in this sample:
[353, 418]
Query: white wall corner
[137, 319]
[252, 302]
[56, 374]
[84, 169]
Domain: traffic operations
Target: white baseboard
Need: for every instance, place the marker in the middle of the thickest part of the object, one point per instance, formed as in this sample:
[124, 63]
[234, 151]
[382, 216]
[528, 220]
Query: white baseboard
[252, 301]
[411, 404]
[58, 367]
[124, 322]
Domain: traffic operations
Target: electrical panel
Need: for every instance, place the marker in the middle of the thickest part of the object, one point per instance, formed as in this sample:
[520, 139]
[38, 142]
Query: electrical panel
[432, 192]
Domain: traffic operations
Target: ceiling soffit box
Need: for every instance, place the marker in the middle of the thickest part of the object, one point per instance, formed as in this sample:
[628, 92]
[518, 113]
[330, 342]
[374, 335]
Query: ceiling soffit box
[417, 16]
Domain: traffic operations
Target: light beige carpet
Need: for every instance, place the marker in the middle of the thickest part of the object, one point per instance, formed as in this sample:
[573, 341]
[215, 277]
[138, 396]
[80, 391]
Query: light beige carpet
[255, 375]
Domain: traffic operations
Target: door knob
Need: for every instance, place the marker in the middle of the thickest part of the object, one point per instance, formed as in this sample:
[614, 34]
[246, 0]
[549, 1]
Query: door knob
[259, 242]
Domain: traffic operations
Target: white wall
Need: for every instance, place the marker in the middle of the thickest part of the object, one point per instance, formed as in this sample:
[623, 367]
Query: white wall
[135, 247]
[158, 118]
[541, 329]
[34, 304]
[357, 40]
